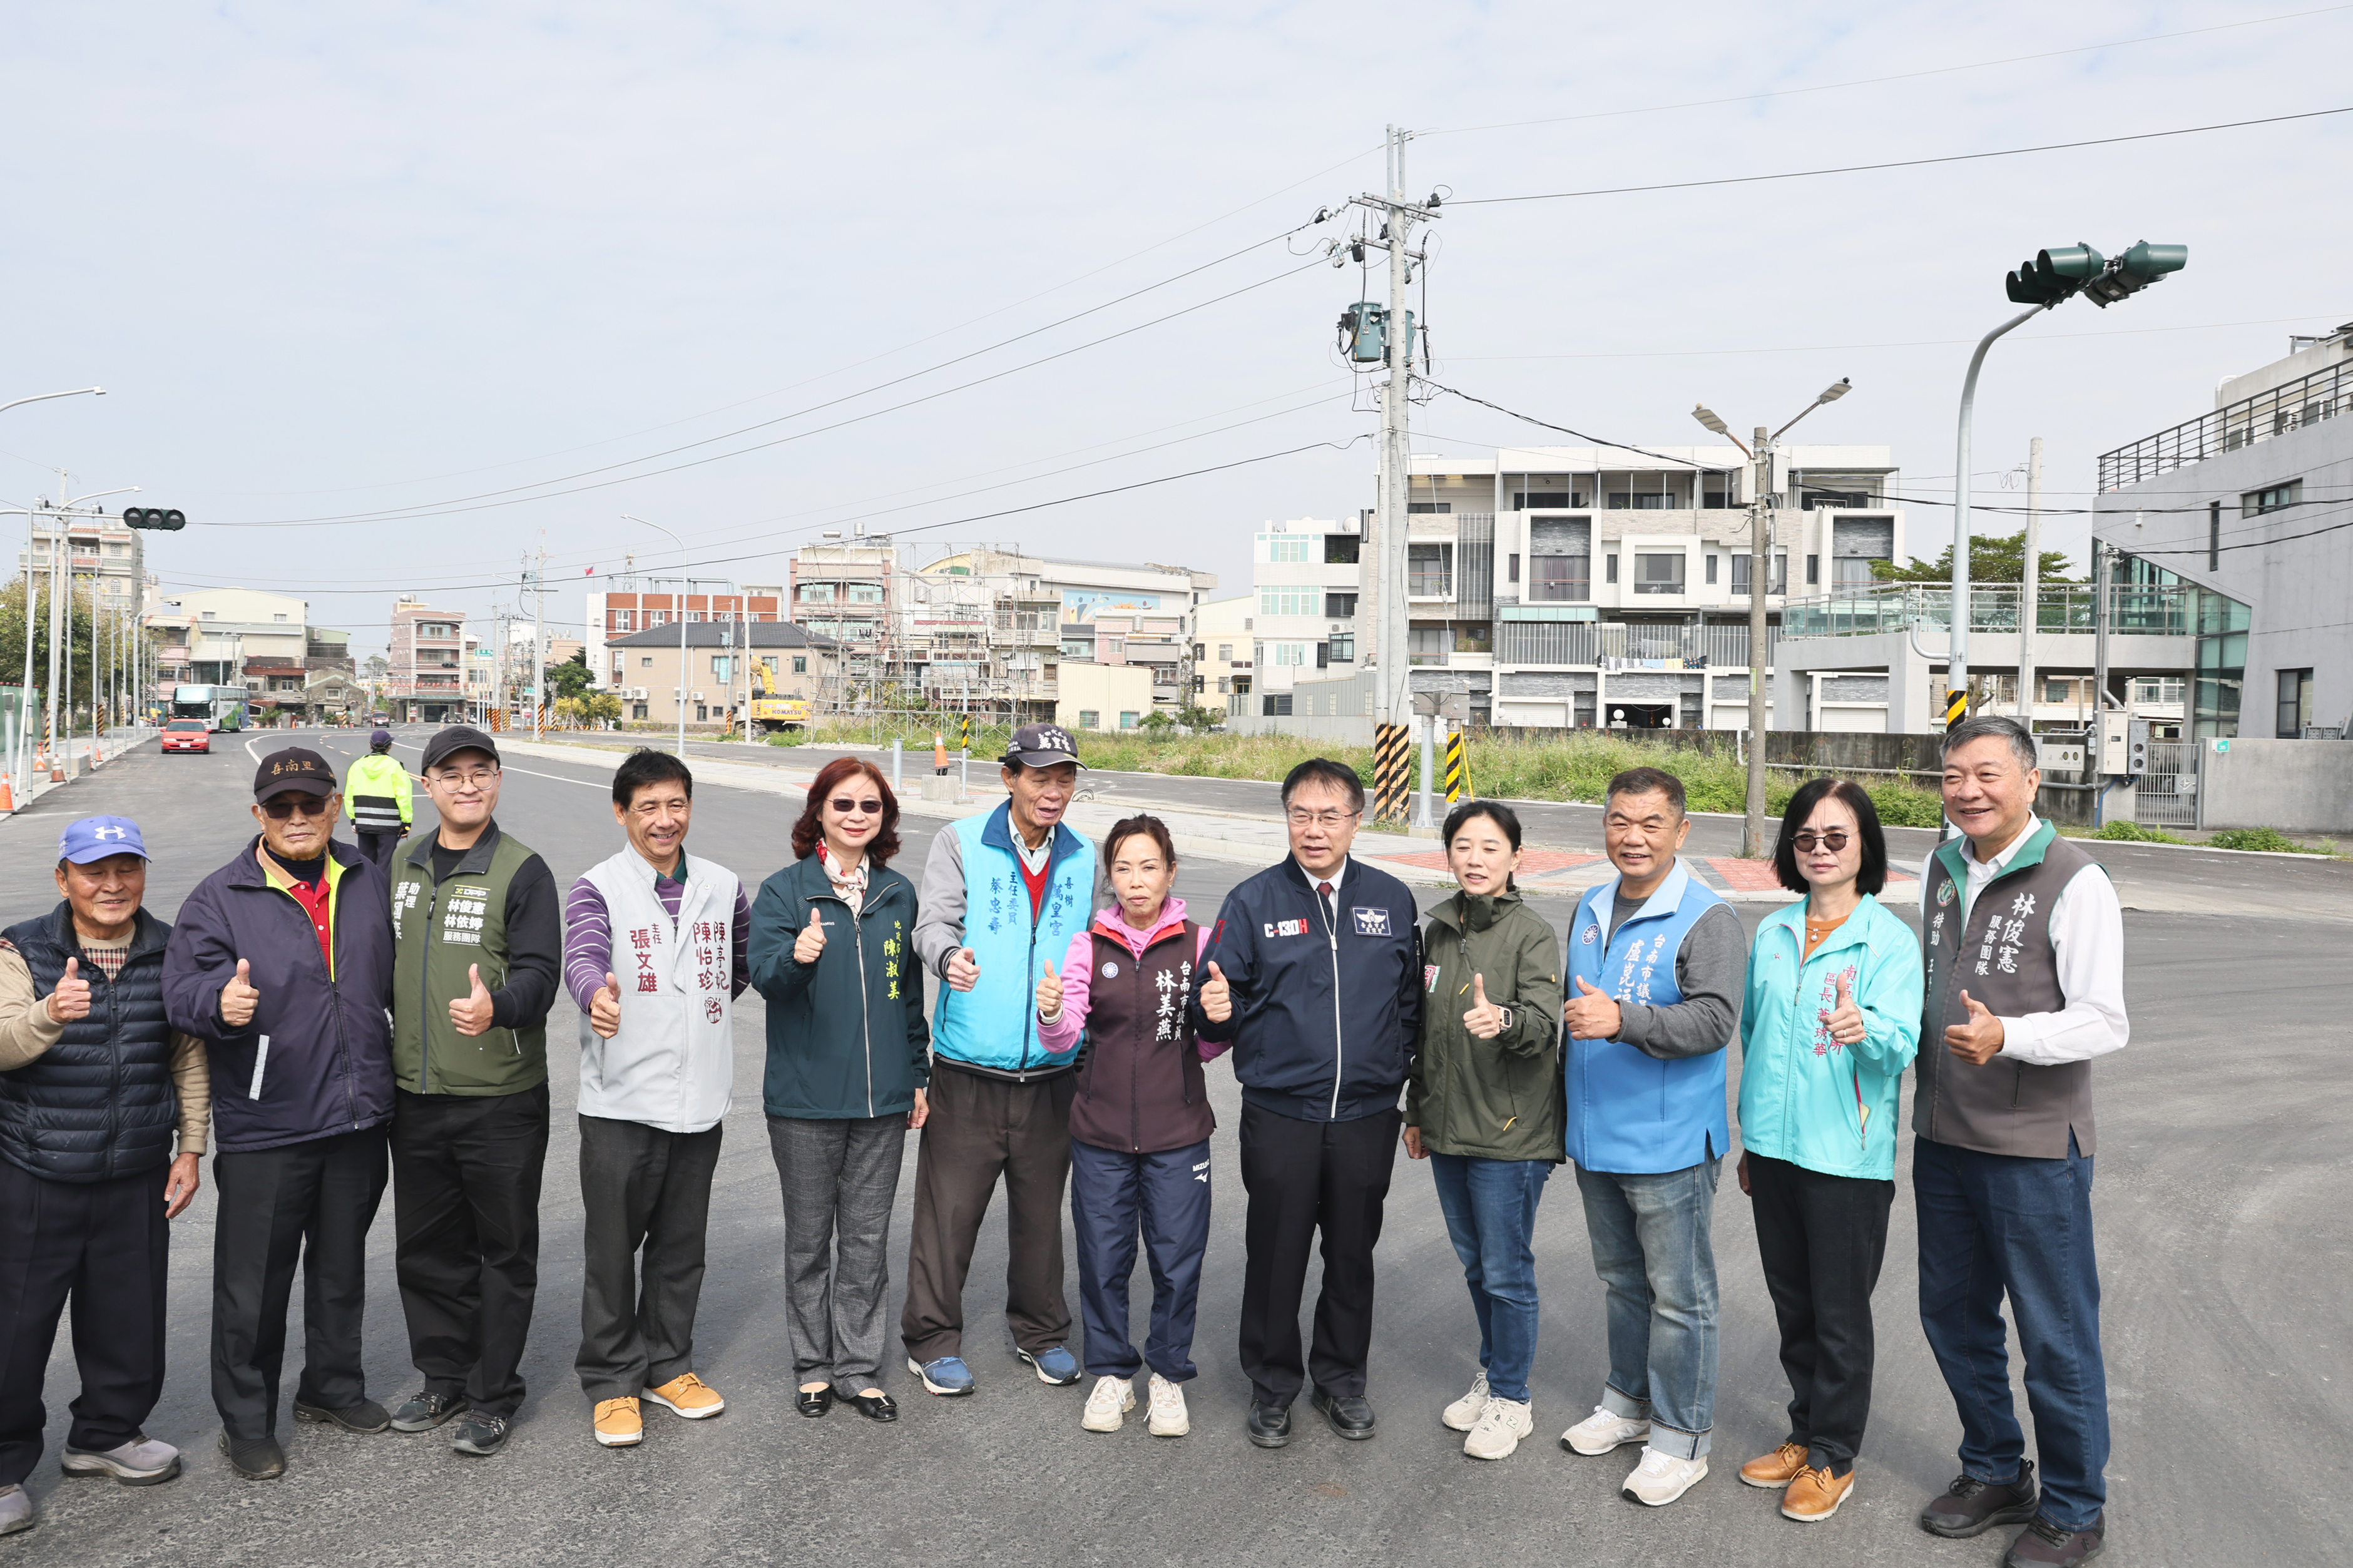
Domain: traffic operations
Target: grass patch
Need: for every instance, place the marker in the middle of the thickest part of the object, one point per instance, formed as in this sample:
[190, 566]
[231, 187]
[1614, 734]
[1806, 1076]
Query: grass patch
[2134, 833]
[2266, 840]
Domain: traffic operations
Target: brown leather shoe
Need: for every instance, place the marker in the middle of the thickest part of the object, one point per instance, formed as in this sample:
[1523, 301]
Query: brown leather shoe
[1971, 1506]
[2045, 1546]
[1775, 1469]
[1814, 1495]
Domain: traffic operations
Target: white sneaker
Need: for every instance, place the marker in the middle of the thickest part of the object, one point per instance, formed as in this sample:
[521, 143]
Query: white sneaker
[1113, 1398]
[1602, 1431]
[1465, 1412]
[1501, 1427]
[1168, 1416]
[1660, 1478]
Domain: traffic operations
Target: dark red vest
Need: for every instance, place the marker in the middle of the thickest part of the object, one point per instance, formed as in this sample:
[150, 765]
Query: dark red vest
[1141, 1090]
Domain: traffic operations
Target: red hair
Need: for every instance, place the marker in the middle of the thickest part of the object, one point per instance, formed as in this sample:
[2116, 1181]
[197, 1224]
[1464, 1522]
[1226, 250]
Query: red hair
[809, 831]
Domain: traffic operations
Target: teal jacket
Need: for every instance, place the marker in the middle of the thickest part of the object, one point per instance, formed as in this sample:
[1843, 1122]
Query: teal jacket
[1805, 1098]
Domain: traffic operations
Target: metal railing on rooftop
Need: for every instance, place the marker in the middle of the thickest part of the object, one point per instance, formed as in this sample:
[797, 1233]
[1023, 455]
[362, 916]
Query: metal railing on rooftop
[2134, 610]
[2323, 395]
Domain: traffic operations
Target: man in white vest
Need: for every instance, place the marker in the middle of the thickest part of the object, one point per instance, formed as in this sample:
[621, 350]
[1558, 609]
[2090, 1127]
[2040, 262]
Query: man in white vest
[654, 955]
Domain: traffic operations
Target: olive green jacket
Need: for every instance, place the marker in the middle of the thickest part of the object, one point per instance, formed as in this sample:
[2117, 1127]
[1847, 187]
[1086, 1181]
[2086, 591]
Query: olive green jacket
[1499, 1098]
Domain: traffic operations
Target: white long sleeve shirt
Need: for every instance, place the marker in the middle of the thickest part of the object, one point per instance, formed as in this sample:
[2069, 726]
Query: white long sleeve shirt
[2087, 939]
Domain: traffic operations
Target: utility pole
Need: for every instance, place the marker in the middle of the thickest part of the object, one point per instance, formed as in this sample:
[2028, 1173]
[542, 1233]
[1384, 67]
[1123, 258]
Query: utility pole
[538, 647]
[2030, 583]
[1760, 565]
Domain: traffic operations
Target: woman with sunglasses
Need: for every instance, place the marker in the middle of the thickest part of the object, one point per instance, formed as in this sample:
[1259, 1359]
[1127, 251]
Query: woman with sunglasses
[848, 1060]
[1832, 1019]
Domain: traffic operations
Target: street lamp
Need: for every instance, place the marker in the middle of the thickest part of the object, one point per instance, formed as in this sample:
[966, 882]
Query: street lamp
[680, 612]
[1760, 541]
[45, 397]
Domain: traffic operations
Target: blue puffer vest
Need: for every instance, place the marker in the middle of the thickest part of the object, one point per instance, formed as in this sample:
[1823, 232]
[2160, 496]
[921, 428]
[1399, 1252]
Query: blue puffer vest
[98, 1104]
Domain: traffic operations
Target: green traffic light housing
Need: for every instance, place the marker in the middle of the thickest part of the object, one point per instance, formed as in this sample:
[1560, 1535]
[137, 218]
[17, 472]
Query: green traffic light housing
[2054, 276]
[155, 516]
[2135, 270]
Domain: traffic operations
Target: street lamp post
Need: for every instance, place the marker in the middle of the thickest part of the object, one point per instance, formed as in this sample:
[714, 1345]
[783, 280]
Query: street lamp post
[680, 610]
[1752, 844]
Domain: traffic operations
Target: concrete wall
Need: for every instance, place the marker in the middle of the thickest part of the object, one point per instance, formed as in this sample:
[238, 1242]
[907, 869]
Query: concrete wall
[2296, 786]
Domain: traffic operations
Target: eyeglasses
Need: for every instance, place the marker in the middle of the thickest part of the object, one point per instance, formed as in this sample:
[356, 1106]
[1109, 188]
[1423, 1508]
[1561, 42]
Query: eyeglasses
[1301, 817]
[1806, 838]
[867, 808]
[480, 778]
[286, 805]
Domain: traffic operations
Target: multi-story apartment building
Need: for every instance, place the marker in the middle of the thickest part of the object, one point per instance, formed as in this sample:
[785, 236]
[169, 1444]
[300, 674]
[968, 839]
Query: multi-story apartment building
[1223, 652]
[795, 662]
[624, 608]
[847, 589]
[428, 654]
[106, 557]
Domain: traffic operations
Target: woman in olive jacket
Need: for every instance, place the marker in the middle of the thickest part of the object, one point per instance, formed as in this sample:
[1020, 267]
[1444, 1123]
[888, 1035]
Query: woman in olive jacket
[849, 1064]
[1483, 1105]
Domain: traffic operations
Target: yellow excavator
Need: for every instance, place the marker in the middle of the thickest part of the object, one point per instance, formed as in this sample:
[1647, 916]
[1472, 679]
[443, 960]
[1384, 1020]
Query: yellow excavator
[774, 714]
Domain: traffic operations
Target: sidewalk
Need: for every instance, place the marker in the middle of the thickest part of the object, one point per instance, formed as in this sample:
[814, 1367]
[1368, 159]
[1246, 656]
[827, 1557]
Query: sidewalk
[112, 745]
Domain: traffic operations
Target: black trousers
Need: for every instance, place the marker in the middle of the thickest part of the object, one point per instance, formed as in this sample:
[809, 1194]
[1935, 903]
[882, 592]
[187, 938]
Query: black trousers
[310, 1203]
[106, 1244]
[465, 1188]
[1303, 1177]
[376, 847]
[642, 1188]
[1822, 1239]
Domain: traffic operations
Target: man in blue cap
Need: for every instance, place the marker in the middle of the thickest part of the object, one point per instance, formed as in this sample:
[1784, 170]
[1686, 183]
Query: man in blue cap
[376, 799]
[96, 1088]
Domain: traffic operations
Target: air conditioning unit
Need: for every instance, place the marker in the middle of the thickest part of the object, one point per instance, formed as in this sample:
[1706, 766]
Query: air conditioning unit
[694, 697]
[634, 693]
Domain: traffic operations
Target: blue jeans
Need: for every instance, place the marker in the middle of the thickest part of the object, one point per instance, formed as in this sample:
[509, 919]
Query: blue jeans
[1491, 1214]
[1652, 1250]
[1996, 1223]
[1165, 1197]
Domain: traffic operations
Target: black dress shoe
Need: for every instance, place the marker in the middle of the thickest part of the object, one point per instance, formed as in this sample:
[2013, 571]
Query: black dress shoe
[876, 1406]
[367, 1416]
[1269, 1425]
[254, 1459]
[813, 1401]
[1971, 1506]
[1348, 1414]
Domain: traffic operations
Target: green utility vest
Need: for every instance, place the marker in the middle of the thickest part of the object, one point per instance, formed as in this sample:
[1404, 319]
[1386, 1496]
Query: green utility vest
[437, 932]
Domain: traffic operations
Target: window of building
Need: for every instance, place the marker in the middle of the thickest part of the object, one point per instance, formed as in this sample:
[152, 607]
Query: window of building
[1127, 720]
[209, 615]
[1289, 601]
[2159, 689]
[1430, 506]
[1339, 606]
[1711, 569]
[1810, 497]
[1225, 683]
[2256, 502]
[1225, 653]
[866, 592]
[723, 667]
[624, 620]
[2294, 703]
[1089, 719]
[1781, 574]
[1813, 568]
[816, 593]
[1512, 568]
[636, 709]
[646, 661]
[1473, 637]
[2060, 691]
[1289, 653]
[1659, 573]
[1546, 500]
[1276, 705]
[1640, 500]
[1427, 571]
[1340, 548]
[1284, 547]
[1343, 648]
[800, 664]
[1609, 566]
[1428, 645]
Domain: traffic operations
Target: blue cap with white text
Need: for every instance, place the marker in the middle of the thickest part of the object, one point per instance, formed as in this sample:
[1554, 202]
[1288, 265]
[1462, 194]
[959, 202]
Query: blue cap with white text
[96, 837]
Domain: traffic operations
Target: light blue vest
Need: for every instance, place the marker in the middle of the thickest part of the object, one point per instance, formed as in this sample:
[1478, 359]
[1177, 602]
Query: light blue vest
[994, 1024]
[1629, 1113]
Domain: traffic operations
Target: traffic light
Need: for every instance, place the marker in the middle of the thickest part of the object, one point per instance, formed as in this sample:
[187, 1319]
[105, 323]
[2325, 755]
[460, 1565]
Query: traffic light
[2054, 275]
[155, 516]
[2135, 270]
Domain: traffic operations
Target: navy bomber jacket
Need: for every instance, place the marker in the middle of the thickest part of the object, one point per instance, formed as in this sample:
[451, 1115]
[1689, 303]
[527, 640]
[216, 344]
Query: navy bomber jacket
[1327, 1013]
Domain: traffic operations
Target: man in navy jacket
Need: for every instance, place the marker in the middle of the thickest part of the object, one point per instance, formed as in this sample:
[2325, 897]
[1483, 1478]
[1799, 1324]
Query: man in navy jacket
[281, 963]
[1314, 976]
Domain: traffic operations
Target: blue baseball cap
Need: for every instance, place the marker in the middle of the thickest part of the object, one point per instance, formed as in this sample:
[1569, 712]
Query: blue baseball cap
[96, 837]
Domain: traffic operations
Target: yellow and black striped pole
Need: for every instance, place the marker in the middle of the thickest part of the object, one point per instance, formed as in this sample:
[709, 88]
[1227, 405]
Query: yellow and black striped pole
[1392, 753]
[1957, 707]
[1458, 771]
[963, 742]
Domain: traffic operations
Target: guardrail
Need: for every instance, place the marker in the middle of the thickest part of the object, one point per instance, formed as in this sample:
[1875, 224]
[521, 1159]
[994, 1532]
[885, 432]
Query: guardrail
[2307, 400]
[2134, 610]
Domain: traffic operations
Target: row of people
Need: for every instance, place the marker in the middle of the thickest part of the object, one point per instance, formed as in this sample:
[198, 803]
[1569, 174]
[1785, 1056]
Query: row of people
[1319, 978]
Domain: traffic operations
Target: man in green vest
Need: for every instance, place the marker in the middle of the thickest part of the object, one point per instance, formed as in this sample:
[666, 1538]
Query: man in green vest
[477, 939]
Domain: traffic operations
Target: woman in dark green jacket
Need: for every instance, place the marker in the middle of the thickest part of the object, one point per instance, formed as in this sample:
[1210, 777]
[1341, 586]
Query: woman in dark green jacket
[1483, 1105]
[848, 1060]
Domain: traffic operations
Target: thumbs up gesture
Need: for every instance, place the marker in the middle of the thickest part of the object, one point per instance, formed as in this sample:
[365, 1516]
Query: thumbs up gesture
[1845, 1021]
[1590, 1015]
[471, 1012]
[1484, 1020]
[71, 998]
[1216, 996]
[810, 944]
[963, 969]
[1050, 994]
[1978, 1041]
[238, 998]
[604, 1007]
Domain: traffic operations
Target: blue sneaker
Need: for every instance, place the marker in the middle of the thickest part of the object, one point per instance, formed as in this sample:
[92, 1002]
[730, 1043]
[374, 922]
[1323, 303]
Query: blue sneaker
[948, 1376]
[1055, 1365]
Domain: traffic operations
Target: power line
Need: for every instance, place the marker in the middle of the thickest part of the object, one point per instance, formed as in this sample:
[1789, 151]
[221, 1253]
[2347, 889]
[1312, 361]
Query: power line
[1543, 423]
[1910, 343]
[1899, 163]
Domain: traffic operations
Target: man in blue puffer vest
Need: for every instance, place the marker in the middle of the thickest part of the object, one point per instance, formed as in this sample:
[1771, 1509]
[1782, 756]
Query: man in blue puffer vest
[95, 1088]
[1656, 962]
[1002, 893]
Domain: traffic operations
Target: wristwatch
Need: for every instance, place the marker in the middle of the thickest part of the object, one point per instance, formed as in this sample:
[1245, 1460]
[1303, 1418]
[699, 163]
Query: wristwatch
[1505, 1015]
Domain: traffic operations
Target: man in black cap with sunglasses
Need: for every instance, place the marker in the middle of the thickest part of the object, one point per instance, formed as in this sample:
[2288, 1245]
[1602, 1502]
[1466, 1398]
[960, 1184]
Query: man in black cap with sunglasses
[281, 962]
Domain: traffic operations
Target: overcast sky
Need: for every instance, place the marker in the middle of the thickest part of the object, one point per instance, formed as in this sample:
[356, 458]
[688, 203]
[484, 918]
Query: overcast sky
[332, 261]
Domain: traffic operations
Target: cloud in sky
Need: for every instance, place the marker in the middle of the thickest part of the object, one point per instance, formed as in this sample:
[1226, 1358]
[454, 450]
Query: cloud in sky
[333, 260]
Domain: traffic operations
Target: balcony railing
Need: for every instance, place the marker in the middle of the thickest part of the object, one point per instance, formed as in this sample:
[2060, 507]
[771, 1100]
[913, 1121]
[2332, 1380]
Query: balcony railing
[2307, 400]
[2134, 610]
[1599, 643]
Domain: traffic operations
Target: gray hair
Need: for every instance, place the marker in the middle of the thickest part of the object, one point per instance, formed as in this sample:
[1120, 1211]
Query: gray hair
[1992, 727]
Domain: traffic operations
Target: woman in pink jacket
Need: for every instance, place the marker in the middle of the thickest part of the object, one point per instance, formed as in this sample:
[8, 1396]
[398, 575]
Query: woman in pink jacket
[1140, 1123]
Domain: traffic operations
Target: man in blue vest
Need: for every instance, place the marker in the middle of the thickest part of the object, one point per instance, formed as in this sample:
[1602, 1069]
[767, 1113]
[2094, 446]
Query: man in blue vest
[1656, 962]
[1002, 893]
[95, 1088]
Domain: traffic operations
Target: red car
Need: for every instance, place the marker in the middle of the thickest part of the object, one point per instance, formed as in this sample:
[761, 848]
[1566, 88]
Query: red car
[188, 735]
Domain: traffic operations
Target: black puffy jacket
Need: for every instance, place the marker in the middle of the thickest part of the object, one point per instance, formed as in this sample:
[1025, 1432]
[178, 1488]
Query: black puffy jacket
[99, 1103]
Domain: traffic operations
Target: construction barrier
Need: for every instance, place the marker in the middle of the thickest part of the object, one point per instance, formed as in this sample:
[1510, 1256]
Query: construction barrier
[1458, 771]
[1392, 770]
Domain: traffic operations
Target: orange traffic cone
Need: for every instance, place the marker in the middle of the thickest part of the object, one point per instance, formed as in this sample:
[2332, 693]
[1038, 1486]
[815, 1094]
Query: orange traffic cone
[7, 794]
[939, 754]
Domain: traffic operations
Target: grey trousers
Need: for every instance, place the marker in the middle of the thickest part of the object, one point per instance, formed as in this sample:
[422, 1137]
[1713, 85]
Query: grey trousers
[839, 1179]
[642, 1188]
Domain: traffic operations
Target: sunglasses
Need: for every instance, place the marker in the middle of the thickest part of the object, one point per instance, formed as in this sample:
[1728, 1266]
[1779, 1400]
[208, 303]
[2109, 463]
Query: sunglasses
[1806, 838]
[286, 805]
[847, 806]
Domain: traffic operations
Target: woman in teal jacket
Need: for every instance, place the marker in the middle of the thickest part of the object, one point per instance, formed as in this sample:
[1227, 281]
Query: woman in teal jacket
[1832, 1019]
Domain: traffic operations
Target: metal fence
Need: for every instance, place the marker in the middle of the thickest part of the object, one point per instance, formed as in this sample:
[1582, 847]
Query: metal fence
[2133, 608]
[2323, 395]
[2167, 792]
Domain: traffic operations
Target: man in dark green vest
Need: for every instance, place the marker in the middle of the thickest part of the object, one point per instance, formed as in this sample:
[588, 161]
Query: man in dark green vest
[478, 936]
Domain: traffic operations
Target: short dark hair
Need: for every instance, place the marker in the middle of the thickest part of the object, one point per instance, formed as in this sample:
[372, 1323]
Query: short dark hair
[1339, 775]
[646, 766]
[1151, 827]
[1495, 811]
[1993, 726]
[1646, 781]
[1850, 795]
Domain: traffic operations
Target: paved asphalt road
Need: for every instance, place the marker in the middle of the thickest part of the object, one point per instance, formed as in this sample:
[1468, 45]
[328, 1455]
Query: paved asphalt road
[2225, 1204]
